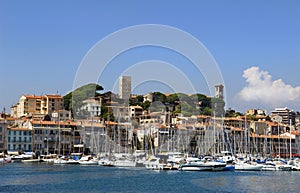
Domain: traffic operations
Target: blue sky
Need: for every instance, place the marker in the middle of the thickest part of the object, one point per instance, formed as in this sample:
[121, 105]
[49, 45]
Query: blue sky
[256, 45]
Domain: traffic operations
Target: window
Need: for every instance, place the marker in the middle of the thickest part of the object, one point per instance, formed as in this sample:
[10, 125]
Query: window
[8, 147]
[25, 133]
[20, 139]
[8, 139]
[14, 147]
[0, 129]
[9, 132]
[25, 139]
[15, 132]
[15, 139]
[20, 132]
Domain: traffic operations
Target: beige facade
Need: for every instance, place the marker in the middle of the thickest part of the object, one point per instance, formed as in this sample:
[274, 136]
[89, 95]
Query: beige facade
[259, 127]
[31, 105]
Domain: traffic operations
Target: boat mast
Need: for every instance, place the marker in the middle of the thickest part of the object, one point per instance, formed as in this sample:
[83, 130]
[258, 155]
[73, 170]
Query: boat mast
[290, 139]
[58, 135]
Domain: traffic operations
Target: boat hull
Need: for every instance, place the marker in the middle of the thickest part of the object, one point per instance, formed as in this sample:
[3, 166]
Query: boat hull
[248, 167]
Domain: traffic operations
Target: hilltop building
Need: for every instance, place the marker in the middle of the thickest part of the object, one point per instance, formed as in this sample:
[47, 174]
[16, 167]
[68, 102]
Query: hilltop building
[125, 87]
[219, 91]
[218, 104]
[258, 112]
[92, 106]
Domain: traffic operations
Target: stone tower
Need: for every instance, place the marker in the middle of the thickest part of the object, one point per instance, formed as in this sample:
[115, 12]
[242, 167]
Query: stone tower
[125, 87]
[219, 91]
[218, 103]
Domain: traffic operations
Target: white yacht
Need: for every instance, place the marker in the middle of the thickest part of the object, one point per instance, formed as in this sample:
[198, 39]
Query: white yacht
[196, 164]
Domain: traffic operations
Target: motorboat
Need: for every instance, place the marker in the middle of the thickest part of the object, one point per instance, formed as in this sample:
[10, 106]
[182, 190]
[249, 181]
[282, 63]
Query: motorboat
[196, 164]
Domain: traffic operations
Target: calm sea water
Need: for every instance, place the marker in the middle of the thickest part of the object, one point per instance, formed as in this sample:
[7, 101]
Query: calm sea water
[41, 177]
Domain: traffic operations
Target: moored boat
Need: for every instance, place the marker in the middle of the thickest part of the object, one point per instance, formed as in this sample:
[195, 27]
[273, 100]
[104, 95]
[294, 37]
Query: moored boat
[248, 166]
[154, 163]
[196, 164]
[88, 160]
[66, 160]
[5, 159]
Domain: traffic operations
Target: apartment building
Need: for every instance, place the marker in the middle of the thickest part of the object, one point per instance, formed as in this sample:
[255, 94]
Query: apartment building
[19, 139]
[286, 115]
[32, 104]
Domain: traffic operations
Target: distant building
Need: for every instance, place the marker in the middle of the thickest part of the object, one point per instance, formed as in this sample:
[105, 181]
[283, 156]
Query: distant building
[136, 112]
[31, 105]
[256, 112]
[62, 115]
[3, 128]
[219, 91]
[218, 104]
[92, 106]
[259, 127]
[125, 87]
[148, 97]
[286, 115]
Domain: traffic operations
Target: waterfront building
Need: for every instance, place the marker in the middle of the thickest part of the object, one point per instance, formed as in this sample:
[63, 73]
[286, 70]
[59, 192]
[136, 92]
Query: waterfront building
[19, 139]
[53, 136]
[3, 128]
[125, 87]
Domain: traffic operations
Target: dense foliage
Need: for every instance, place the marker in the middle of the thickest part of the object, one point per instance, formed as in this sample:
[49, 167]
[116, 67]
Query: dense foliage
[176, 103]
[73, 100]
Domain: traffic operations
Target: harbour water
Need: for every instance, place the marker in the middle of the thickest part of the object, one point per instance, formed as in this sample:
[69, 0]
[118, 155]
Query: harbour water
[41, 177]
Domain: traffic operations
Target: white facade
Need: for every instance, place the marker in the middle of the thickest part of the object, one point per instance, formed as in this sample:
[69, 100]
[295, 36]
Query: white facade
[93, 106]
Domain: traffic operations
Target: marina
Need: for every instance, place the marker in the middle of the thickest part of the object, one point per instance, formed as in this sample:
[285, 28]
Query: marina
[43, 177]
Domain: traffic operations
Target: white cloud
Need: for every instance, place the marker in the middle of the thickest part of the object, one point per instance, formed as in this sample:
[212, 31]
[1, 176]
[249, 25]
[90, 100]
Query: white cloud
[262, 89]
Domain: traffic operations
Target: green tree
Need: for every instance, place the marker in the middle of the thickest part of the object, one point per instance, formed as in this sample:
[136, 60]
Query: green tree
[73, 100]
